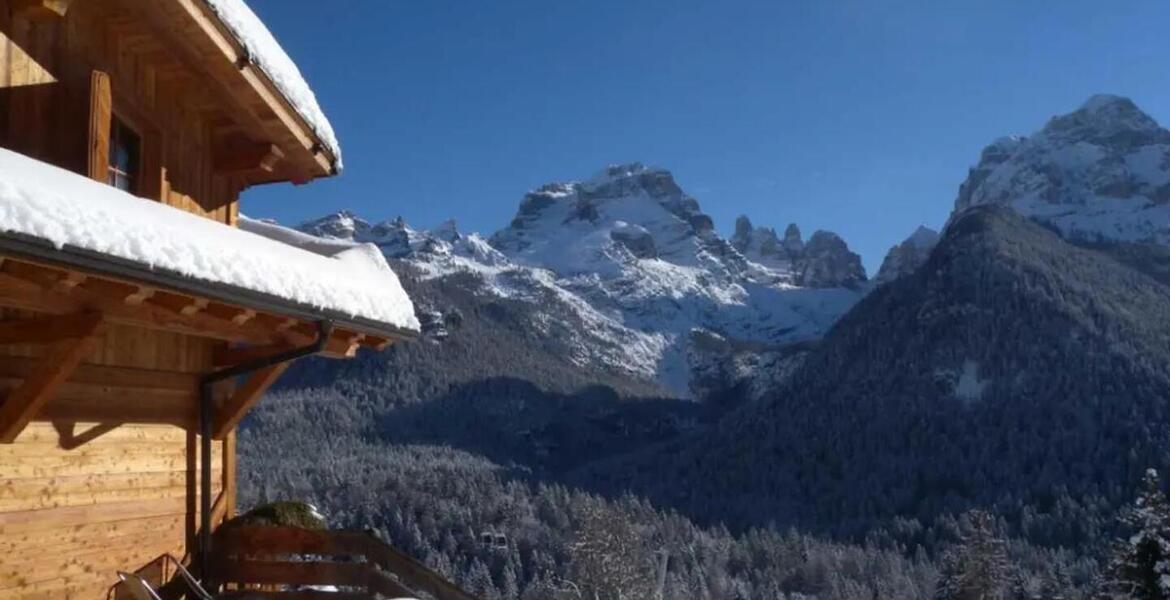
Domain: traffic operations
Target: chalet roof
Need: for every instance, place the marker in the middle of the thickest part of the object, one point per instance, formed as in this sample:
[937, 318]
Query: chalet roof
[78, 217]
[266, 53]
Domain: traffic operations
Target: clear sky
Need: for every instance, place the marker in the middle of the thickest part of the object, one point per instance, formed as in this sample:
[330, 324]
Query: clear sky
[857, 116]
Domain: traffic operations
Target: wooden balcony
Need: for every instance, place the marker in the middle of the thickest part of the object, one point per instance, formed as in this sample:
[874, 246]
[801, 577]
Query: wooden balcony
[282, 562]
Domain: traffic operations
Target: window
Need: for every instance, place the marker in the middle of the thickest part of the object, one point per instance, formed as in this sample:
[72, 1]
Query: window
[125, 156]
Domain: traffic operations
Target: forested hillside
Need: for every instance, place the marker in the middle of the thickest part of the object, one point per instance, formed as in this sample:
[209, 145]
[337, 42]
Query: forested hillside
[1013, 371]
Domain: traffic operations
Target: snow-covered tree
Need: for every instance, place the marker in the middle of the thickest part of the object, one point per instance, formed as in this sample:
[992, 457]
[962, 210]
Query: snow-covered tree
[978, 567]
[1140, 566]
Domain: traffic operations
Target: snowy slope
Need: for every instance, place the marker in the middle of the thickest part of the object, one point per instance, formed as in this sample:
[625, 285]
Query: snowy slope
[628, 266]
[1098, 174]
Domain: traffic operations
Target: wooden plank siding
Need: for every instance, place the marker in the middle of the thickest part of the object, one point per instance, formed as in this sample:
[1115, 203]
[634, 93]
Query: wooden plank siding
[105, 478]
[82, 499]
[178, 121]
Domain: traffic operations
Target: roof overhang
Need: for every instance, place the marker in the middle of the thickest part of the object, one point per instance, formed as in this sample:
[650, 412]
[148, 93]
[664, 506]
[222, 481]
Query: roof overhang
[205, 44]
[36, 276]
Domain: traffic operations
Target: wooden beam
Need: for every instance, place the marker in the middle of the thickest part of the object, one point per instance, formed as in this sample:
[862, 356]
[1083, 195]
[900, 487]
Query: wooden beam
[380, 583]
[71, 280]
[295, 573]
[343, 344]
[101, 106]
[378, 344]
[140, 295]
[235, 314]
[45, 330]
[241, 157]
[207, 48]
[23, 403]
[178, 303]
[39, 10]
[226, 357]
[31, 293]
[245, 397]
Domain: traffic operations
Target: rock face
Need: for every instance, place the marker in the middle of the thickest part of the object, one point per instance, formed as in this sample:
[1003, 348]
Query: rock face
[827, 262]
[625, 267]
[1098, 174]
[906, 257]
[625, 212]
[824, 262]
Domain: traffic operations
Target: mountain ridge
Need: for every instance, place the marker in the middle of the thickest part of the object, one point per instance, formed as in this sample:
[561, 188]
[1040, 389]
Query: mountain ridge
[636, 258]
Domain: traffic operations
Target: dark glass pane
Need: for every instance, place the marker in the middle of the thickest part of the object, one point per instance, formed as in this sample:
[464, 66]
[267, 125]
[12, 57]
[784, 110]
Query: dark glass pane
[125, 147]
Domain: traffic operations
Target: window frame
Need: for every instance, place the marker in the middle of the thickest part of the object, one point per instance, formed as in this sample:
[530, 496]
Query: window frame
[119, 126]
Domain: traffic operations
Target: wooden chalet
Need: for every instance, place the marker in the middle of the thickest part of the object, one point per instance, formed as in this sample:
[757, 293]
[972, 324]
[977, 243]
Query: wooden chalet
[134, 331]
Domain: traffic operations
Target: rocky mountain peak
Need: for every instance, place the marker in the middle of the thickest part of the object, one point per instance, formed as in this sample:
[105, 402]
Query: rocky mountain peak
[793, 242]
[906, 257]
[629, 179]
[743, 231]
[1108, 120]
[1098, 174]
[448, 231]
[641, 211]
[827, 261]
[759, 242]
[343, 225]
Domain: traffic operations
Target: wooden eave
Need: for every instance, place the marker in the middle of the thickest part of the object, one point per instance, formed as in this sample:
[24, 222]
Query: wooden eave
[200, 41]
[56, 288]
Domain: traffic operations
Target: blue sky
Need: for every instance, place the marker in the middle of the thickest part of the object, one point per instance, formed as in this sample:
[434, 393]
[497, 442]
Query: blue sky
[861, 117]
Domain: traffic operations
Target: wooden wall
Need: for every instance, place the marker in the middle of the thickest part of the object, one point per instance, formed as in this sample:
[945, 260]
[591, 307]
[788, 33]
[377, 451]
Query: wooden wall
[48, 63]
[83, 493]
[106, 478]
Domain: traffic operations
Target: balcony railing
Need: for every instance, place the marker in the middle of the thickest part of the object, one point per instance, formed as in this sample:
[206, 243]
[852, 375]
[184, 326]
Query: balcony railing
[283, 562]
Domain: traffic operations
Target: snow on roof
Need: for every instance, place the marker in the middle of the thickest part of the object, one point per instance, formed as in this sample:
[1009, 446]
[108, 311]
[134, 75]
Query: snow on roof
[66, 209]
[266, 53]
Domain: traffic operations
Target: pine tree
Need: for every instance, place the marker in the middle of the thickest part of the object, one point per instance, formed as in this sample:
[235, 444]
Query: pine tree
[1140, 567]
[978, 567]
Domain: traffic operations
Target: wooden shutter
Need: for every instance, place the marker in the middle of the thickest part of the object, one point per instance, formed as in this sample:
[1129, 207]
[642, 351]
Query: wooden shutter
[101, 106]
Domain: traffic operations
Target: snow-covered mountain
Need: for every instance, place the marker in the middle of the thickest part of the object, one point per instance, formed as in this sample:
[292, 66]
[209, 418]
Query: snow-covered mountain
[629, 270]
[1098, 174]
